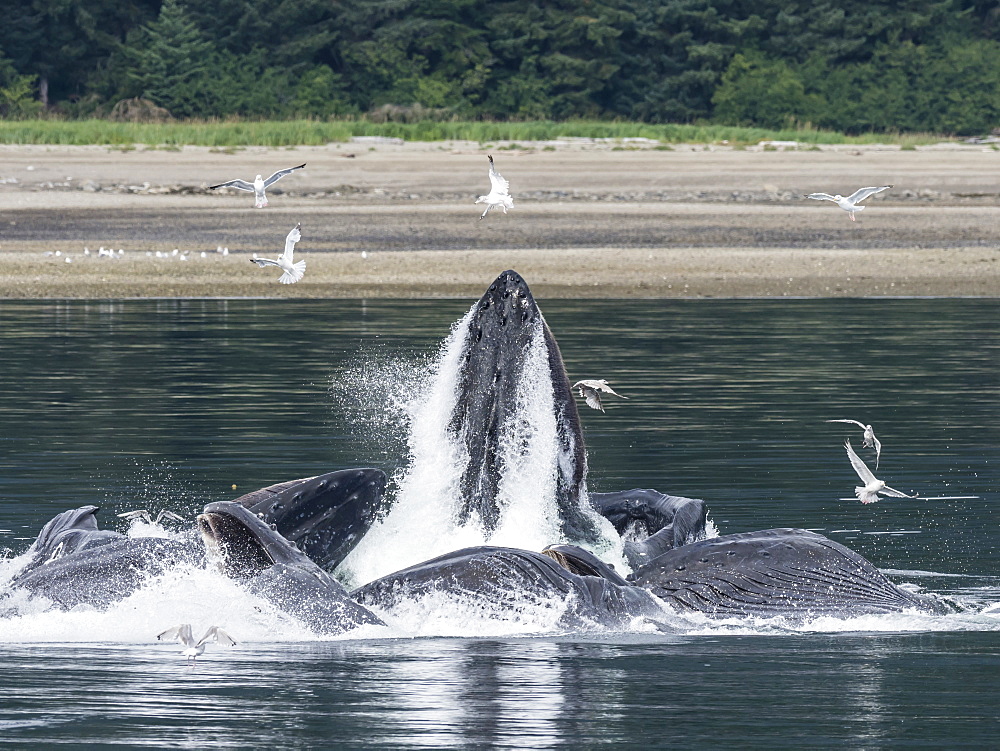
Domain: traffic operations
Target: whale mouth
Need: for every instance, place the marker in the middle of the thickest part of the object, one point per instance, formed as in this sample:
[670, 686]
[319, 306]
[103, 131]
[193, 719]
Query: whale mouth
[236, 549]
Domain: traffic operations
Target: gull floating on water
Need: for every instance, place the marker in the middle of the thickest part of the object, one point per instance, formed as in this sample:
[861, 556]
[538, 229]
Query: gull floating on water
[869, 493]
[499, 194]
[182, 633]
[591, 391]
[258, 186]
[145, 516]
[293, 271]
[870, 441]
[850, 204]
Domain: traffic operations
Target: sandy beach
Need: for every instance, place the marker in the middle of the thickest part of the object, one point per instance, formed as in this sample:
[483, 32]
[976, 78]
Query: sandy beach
[590, 219]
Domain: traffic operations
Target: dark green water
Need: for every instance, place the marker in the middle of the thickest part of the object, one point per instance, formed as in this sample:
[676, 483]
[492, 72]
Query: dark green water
[169, 403]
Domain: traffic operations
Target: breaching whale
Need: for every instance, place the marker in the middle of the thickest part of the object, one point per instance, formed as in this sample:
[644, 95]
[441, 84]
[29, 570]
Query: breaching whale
[505, 329]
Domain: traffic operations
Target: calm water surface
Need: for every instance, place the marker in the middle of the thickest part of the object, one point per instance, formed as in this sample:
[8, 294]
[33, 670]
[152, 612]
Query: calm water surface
[168, 404]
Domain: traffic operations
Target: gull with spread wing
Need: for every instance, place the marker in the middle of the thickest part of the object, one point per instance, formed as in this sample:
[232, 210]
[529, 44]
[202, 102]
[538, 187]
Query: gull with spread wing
[258, 186]
[851, 203]
[591, 391]
[499, 194]
[869, 493]
[182, 633]
[293, 271]
[144, 515]
[870, 441]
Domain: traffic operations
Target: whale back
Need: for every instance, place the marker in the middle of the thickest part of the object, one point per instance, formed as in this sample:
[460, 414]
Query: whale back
[774, 572]
[505, 581]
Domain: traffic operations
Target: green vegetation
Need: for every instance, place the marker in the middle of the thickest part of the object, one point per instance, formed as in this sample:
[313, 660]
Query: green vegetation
[441, 66]
[227, 136]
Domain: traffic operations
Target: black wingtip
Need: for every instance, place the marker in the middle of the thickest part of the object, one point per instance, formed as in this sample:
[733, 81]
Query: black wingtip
[300, 166]
[490, 157]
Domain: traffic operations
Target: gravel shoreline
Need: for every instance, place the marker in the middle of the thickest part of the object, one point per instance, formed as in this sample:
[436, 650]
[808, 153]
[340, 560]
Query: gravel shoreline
[398, 220]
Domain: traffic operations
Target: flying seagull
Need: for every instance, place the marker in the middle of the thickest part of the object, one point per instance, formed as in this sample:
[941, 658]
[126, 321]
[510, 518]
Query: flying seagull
[870, 441]
[293, 271]
[182, 633]
[851, 203]
[499, 194]
[258, 186]
[591, 391]
[869, 493]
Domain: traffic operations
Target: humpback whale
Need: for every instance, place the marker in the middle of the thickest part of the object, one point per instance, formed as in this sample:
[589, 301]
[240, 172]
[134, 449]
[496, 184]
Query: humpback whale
[103, 574]
[651, 522]
[268, 565]
[325, 516]
[787, 572]
[73, 562]
[503, 581]
[505, 329]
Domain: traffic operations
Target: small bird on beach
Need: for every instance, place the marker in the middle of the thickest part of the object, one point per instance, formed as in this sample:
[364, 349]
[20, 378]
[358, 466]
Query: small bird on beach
[870, 441]
[499, 194]
[293, 271]
[182, 633]
[869, 493]
[851, 203]
[258, 186]
[591, 392]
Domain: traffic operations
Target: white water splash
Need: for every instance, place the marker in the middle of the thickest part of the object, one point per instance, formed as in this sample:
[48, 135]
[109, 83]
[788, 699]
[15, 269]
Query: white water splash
[423, 522]
[186, 594]
[530, 455]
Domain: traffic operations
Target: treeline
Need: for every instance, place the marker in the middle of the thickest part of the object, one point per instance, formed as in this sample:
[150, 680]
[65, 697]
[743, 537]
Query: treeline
[846, 65]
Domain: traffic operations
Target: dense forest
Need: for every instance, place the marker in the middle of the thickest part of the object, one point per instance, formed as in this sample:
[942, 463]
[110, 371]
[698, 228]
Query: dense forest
[848, 65]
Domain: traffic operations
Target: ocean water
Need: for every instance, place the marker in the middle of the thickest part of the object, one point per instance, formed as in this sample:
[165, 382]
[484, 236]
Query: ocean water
[173, 404]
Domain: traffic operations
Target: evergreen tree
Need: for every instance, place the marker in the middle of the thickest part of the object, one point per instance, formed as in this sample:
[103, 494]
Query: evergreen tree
[846, 64]
[425, 52]
[553, 60]
[17, 92]
[169, 62]
[64, 42]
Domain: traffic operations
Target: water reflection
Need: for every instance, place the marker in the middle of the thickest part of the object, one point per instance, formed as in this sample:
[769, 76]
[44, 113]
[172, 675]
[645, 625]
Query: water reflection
[781, 692]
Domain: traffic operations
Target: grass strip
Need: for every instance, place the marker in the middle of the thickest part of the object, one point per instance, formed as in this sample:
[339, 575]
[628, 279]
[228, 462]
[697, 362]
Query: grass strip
[314, 133]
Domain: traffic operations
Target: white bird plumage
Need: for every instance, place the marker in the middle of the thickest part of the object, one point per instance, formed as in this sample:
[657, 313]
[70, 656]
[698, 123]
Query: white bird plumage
[293, 271]
[591, 390]
[182, 633]
[499, 194]
[850, 203]
[872, 485]
[870, 441]
[145, 516]
[258, 186]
